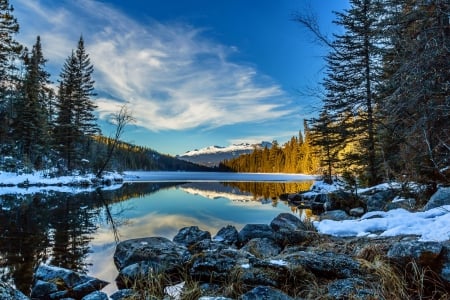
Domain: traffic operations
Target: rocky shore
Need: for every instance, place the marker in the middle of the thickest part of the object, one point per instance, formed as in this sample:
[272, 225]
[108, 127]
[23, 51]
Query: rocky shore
[286, 259]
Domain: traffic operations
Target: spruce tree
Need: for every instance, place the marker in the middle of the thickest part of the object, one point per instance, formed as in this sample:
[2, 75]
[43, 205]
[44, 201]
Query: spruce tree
[351, 80]
[31, 127]
[75, 121]
[10, 50]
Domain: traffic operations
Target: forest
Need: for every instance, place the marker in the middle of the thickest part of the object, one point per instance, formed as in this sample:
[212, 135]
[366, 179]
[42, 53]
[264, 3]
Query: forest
[385, 98]
[57, 130]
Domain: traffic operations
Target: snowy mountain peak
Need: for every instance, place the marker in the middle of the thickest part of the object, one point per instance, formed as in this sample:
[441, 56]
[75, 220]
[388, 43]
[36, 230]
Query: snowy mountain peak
[212, 155]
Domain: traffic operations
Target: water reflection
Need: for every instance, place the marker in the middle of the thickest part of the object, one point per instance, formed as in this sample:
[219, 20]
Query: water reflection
[80, 231]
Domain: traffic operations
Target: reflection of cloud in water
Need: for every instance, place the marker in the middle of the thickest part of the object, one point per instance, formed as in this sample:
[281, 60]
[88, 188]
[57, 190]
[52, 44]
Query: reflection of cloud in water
[150, 225]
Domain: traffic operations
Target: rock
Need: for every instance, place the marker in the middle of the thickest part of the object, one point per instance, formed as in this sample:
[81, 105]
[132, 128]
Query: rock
[56, 283]
[379, 200]
[8, 292]
[349, 288]
[137, 271]
[425, 253]
[357, 212]
[265, 293]
[287, 222]
[405, 203]
[208, 245]
[215, 267]
[264, 272]
[262, 247]
[213, 298]
[251, 231]
[152, 249]
[324, 263]
[190, 235]
[228, 235]
[123, 294]
[335, 215]
[445, 270]
[440, 198]
[96, 296]
[342, 200]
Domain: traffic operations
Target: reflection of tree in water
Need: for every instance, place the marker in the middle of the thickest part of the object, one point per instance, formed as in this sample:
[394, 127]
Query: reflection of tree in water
[55, 228]
[23, 238]
[270, 190]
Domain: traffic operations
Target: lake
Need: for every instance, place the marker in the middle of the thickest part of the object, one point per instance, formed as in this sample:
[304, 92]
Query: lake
[80, 230]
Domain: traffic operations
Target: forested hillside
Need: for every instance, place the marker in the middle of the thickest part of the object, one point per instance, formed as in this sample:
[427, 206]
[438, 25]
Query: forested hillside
[56, 129]
[386, 97]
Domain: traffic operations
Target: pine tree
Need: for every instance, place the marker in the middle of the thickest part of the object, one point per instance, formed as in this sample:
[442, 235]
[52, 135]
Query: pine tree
[31, 127]
[352, 77]
[75, 121]
[10, 50]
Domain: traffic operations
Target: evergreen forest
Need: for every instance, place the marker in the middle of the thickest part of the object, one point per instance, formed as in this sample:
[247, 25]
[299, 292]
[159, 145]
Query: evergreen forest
[55, 129]
[385, 98]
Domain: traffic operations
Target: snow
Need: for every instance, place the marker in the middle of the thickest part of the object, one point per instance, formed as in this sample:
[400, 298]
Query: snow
[220, 149]
[431, 225]
[38, 181]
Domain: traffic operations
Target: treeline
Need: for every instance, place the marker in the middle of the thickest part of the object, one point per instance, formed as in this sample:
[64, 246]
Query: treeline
[295, 156]
[386, 102]
[44, 128]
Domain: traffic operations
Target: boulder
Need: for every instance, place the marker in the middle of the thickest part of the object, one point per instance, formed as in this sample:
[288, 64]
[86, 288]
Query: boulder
[272, 273]
[190, 235]
[425, 253]
[215, 267]
[265, 293]
[123, 294]
[96, 296]
[228, 235]
[325, 264]
[8, 292]
[349, 288]
[445, 270]
[440, 198]
[262, 247]
[378, 201]
[251, 231]
[56, 283]
[287, 222]
[335, 215]
[153, 249]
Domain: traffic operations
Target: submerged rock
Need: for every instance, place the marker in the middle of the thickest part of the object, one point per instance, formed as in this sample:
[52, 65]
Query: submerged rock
[51, 282]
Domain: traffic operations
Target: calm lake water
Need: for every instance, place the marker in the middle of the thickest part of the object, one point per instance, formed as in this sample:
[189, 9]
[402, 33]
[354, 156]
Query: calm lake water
[80, 231]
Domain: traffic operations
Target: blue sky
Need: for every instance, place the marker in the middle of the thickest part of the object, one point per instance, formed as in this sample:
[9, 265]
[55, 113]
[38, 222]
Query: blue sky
[194, 73]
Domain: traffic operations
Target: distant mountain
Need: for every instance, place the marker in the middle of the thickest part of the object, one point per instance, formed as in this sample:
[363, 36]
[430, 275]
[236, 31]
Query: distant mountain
[211, 156]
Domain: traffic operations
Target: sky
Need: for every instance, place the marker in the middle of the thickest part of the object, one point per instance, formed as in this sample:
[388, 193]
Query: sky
[193, 73]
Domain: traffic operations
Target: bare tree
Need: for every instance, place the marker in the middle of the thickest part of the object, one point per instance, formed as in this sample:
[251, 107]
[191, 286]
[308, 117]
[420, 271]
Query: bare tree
[120, 119]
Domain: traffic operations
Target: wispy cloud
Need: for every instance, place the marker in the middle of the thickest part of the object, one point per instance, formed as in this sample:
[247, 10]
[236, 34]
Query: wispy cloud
[172, 74]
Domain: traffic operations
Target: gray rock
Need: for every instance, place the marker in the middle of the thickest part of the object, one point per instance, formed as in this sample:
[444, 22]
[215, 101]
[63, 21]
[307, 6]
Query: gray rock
[251, 231]
[287, 222]
[96, 296]
[356, 212]
[190, 235]
[215, 267]
[60, 283]
[152, 249]
[228, 235]
[324, 263]
[42, 289]
[8, 292]
[349, 288]
[425, 253]
[440, 198]
[208, 245]
[122, 294]
[262, 247]
[336, 215]
[406, 203]
[379, 200]
[264, 272]
[265, 293]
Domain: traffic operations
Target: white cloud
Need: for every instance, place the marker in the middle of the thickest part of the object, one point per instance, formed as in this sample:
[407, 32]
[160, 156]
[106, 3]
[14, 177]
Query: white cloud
[172, 75]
